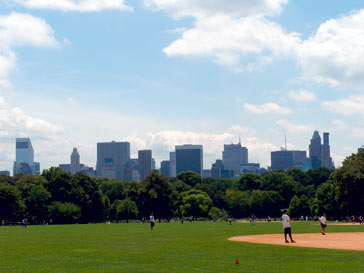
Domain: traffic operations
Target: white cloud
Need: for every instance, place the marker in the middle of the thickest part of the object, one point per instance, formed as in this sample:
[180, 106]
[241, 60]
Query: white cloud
[353, 105]
[284, 124]
[355, 132]
[203, 8]
[335, 52]
[267, 108]
[302, 96]
[76, 5]
[17, 29]
[229, 30]
[47, 138]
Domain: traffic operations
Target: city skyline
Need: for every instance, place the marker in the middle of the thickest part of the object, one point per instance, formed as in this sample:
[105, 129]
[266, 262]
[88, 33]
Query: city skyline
[163, 73]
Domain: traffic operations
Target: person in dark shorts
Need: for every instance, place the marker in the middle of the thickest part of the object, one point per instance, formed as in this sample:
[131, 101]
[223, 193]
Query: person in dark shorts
[287, 226]
[323, 223]
[152, 221]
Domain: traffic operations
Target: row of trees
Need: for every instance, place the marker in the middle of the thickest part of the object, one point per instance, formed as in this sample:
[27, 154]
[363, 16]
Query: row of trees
[64, 198]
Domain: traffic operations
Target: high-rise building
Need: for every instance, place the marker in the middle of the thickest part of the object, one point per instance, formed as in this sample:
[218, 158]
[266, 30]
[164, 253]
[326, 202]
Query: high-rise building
[233, 156]
[36, 168]
[189, 158]
[360, 150]
[326, 158]
[217, 168]
[7, 173]
[24, 161]
[145, 163]
[111, 159]
[75, 161]
[65, 167]
[284, 160]
[172, 164]
[131, 171]
[165, 166]
[316, 150]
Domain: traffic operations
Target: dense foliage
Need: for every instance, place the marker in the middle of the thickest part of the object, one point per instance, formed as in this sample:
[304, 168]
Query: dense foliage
[63, 198]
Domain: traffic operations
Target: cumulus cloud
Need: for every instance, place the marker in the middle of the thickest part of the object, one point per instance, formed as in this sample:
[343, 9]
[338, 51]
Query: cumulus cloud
[267, 108]
[302, 96]
[284, 124]
[47, 138]
[355, 132]
[335, 52]
[229, 30]
[164, 142]
[18, 29]
[76, 5]
[352, 105]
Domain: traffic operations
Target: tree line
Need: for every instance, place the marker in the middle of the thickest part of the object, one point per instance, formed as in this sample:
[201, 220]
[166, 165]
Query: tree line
[61, 198]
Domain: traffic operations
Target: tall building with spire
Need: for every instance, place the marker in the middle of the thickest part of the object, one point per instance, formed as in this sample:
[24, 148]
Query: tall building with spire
[320, 153]
[75, 161]
[233, 156]
[315, 150]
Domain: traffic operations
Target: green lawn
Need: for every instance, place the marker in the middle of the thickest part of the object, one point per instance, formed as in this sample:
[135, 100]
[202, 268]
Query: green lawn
[196, 247]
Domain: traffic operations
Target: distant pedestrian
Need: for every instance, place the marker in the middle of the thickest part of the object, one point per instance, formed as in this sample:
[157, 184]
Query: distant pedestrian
[190, 219]
[323, 223]
[253, 220]
[269, 219]
[152, 221]
[287, 226]
[182, 220]
[360, 219]
[24, 223]
[230, 220]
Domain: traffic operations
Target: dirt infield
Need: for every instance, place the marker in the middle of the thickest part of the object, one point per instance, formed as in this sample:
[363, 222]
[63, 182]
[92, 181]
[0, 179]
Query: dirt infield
[342, 240]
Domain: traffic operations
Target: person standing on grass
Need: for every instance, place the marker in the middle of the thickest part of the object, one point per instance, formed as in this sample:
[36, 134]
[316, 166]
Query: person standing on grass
[287, 226]
[323, 223]
[152, 221]
[253, 220]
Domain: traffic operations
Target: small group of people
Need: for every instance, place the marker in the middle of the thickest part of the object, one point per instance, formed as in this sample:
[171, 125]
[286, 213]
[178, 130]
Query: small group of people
[287, 225]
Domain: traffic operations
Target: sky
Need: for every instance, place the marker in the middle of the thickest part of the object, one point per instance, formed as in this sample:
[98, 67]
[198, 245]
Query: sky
[160, 73]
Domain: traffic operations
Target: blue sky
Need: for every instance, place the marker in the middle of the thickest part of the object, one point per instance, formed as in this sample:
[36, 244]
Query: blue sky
[160, 73]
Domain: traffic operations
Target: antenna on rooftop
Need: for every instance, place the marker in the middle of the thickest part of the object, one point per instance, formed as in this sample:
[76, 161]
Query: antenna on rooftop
[285, 140]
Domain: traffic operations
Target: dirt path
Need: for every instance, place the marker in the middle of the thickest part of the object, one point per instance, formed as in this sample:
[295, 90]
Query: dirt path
[342, 240]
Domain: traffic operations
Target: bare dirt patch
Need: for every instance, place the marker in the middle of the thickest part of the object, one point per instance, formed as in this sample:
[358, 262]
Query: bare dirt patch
[342, 240]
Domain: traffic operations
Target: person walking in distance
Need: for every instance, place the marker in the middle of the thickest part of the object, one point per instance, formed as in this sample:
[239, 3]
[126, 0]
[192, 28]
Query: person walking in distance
[287, 226]
[152, 221]
[323, 223]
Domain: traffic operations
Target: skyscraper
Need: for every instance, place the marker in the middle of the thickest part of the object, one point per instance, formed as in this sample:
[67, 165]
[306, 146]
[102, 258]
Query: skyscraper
[233, 156]
[145, 163]
[24, 161]
[111, 159]
[326, 158]
[189, 158]
[165, 166]
[316, 150]
[172, 164]
[75, 161]
[284, 160]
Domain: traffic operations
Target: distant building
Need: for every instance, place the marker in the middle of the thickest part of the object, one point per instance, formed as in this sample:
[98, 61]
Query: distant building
[206, 173]
[250, 168]
[36, 168]
[360, 150]
[233, 156]
[320, 153]
[145, 163]
[7, 173]
[111, 159]
[316, 150]
[75, 161]
[165, 167]
[153, 164]
[87, 170]
[172, 164]
[65, 167]
[284, 160]
[189, 158]
[131, 171]
[217, 169]
[24, 158]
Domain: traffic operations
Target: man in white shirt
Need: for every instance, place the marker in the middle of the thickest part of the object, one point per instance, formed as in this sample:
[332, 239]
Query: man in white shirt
[287, 226]
[152, 221]
[323, 223]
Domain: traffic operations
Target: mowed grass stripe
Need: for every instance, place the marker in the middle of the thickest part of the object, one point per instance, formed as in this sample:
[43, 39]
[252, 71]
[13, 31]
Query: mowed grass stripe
[171, 247]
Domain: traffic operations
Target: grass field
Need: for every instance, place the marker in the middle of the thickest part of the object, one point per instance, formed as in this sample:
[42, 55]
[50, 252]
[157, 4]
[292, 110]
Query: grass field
[196, 247]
